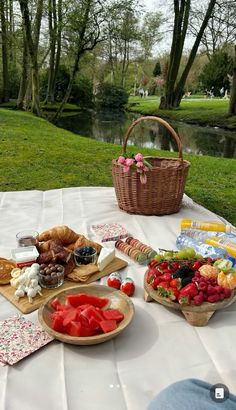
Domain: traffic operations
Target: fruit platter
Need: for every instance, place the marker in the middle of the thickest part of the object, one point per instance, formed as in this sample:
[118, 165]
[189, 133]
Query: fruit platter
[86, 315]
[188, 282]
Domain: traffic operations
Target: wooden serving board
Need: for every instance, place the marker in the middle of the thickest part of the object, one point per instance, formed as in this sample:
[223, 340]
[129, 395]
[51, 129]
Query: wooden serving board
[195, 315]
[25, 307]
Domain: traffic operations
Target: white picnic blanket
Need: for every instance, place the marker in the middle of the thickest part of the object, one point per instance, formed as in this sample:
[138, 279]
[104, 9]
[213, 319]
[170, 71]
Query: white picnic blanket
[159, 347]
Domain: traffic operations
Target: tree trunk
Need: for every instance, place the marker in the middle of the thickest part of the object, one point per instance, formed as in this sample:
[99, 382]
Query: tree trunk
[33, 49]
[24, 75]
[58, 44]
[5, 74]
[68, 90]
[179, 34]
[81, 48]
[174, 89]
[52, 36]
[232, 102]
[28, 93]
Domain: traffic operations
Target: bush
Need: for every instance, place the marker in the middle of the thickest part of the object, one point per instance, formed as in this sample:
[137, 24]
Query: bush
[111, 96]
[215, 73]
[82, 91]
[61, 83]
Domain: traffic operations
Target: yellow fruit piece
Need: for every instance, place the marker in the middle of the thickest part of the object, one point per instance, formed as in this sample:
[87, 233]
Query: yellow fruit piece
[208, 271]
[227, 281]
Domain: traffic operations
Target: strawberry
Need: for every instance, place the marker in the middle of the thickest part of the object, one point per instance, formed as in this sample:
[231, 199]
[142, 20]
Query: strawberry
[127, 286]
[156, 282]
[166, 277]
[196, 265]
[153, 263]
[152, 273]
[163, 265]
[183, 299]
[175, 266]
[114, 281]
[173, 293]
[190, 290]
[175, 283]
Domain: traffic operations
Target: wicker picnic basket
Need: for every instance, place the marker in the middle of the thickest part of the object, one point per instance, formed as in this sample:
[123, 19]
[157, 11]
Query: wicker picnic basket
[163, 192]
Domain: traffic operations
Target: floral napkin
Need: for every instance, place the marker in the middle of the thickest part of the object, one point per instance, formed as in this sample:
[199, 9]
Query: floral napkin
[110, 231]
[19, 338]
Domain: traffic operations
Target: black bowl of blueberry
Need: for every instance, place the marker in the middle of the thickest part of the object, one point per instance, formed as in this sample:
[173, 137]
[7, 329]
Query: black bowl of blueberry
[85, 255]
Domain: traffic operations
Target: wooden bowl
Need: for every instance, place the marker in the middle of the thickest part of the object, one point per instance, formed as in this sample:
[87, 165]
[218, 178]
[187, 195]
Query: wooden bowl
[118, 300]
[195, 315]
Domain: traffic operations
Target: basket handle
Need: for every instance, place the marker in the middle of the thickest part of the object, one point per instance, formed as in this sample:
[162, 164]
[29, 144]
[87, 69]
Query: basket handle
[163, 122]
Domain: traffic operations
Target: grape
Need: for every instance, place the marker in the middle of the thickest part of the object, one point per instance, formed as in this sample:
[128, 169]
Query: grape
[158, 257]
[181, 255]
[168, 254]
[190, 253]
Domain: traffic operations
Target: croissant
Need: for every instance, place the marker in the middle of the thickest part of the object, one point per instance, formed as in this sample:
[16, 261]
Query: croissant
[44, 246]
[61, 233]
[82, 241]
[46, 257]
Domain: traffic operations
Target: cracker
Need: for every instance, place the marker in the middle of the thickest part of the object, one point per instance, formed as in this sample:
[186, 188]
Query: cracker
[82, 273]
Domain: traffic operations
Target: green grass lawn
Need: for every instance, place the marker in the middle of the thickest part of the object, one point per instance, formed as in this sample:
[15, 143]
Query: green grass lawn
[35, 154]
[203, 111]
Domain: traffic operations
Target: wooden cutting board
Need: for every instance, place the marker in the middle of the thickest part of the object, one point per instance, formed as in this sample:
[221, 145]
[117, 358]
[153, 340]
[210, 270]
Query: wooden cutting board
[25, 307]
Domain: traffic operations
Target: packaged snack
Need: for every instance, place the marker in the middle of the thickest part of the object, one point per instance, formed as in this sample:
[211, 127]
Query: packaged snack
[110, 231]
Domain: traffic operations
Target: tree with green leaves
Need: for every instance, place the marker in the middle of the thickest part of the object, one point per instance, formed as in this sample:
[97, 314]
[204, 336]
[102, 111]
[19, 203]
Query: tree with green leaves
[150, 32]
[175, 80]
[216, 72]
[122, 32]
[220, 29]
[83, 33]
[157, 69]
[32, 40]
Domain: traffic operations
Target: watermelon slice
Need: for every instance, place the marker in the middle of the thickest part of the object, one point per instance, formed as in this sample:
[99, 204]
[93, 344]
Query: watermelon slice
[71, 316]
[83, 298]
[108, 325]
[57, 324]
[87, 331]
[94, 324]
[74, 329]
[113, 314]
[54, 303]
[91, 311]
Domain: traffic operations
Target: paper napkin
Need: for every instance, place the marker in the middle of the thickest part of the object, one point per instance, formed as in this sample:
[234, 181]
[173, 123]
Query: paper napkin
[19, 338]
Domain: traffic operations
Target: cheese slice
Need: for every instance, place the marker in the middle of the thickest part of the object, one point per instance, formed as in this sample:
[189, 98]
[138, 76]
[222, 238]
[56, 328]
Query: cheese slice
[106, 256]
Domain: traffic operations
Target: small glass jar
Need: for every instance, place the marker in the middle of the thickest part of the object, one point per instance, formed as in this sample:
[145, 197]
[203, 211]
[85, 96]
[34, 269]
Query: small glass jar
[85, 255]
[51, 276]
[27, 238]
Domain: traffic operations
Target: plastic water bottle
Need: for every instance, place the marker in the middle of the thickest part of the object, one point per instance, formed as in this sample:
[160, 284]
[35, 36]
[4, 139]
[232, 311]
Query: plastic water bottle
[201, 248]
[200, 235]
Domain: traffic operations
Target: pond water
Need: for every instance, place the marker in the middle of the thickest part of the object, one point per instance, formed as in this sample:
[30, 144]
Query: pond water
[111, 127]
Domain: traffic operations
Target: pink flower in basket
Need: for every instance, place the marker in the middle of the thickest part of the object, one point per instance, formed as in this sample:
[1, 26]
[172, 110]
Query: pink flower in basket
[138, 157]
[136, 162]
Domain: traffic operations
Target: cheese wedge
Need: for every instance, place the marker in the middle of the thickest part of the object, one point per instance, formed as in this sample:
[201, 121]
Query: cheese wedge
[106, 256]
